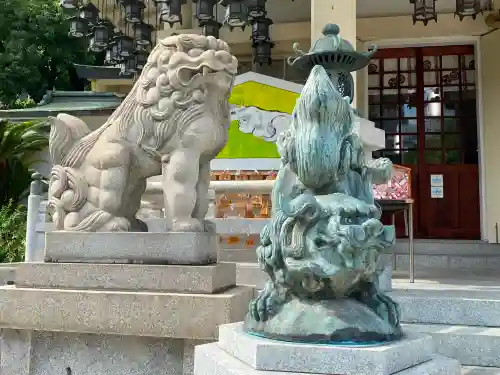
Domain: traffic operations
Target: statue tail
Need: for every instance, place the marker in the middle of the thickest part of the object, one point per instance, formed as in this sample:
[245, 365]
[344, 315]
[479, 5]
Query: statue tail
[65, 131]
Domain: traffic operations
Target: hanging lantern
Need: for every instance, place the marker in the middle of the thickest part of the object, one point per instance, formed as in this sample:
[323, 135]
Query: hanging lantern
[141, 58]
[128, 68]
[110, 57]
[424, 11]
[169, 11]
[468, 8]
[204, 11]
[262, 52]
[69, 4]
[100, 36]
[142, 32]
[236, 13]
[211, 27]
[78, 27]
[256, 8]
[124, 46]
[260, 29]
[133, 10]
[90, 13]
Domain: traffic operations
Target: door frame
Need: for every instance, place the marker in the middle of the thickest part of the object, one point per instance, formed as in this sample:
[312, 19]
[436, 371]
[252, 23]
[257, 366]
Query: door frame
[447, 41]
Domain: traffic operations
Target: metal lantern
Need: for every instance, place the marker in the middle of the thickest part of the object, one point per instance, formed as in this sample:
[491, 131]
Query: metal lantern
[468, 8]
[262, 52]
[169, 11]
[128, 67]
[260, 29]
[336, 55]
[90, 13]
[142, 32]
[78, 27]
[133, 10]
[256, 8]
[69, 4]
[141, 58]
[236, 13]
[211, 27]
[100, 36]
[204, 11]
[424, 11]
[124, 46]
[110, 57]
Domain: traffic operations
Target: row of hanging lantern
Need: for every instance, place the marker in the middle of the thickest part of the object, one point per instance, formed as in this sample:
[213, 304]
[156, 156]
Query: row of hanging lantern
[425, 10]
[127, 47]
[239, 14]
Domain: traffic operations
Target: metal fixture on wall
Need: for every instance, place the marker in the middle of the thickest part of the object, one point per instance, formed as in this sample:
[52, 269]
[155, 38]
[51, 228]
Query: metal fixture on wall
[206, 17]
[256, 8]
[204, 10]
[424, 11]
[468, 8]
[143, 36]
[133, 10]
[236, 13]
[169, 11]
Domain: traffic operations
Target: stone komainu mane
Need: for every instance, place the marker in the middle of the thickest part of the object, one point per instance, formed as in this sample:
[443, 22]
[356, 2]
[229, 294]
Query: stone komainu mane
[175, 120]
[321, 247]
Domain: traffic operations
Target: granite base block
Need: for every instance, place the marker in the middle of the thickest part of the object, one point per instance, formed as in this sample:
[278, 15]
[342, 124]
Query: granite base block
[272, 355]
[210, 278]
[132, 247]
[153, 314]
[50, 353]
[210, 359]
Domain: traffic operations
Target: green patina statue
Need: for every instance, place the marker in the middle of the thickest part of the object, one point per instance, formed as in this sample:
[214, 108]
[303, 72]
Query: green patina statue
[322, 246]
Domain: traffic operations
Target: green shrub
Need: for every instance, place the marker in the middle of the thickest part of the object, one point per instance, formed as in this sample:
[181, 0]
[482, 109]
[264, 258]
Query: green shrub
[12, 233]
[19, 145]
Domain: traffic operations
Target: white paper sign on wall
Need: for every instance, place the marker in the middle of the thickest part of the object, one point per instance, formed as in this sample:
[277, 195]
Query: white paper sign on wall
[437, 180]
[437, 192]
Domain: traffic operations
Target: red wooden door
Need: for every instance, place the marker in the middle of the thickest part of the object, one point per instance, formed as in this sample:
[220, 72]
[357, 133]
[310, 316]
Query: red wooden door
[425, 100]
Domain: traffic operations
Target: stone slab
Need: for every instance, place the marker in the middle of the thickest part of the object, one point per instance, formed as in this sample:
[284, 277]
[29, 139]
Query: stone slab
[270, 355]
[472, 346]
[50, 353]
[475, 370]
[130, 247]
[210, 359]
[208, 278]
[468, 306]
[172, 315]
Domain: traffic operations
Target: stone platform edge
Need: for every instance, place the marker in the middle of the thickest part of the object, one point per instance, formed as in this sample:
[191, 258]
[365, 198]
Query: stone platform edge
[154, 314]
[194, 248]
[211, 359]
[273, 355]
[210, 278]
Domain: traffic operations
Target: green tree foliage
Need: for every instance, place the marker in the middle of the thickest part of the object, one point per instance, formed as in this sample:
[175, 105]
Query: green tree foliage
[36, 53]
[19, 145]
[12, 233]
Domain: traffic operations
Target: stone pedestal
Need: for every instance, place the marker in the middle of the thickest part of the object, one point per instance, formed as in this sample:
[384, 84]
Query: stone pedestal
[127, 319]
[237, 353]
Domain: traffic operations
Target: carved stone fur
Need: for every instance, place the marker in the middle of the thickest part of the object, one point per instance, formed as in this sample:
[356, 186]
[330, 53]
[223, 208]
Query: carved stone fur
[174, 121]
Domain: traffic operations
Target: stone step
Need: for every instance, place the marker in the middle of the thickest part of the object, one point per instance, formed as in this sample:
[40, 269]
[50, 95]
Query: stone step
[474, 370]
[472, 346]
[467, 306]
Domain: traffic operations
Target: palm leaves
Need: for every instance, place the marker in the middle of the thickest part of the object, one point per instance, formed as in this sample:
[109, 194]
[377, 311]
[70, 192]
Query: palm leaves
[19, 145]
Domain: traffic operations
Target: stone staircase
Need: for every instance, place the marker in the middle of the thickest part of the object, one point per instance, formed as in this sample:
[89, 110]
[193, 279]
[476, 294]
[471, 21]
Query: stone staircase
[463, 317]
[460, 311]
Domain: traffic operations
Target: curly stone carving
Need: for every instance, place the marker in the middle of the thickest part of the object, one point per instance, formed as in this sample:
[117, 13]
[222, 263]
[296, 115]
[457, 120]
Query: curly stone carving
[322, 246]
[173, 122]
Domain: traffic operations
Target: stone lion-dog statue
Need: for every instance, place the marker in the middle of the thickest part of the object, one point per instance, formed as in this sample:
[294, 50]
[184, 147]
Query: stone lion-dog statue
[173, 122]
